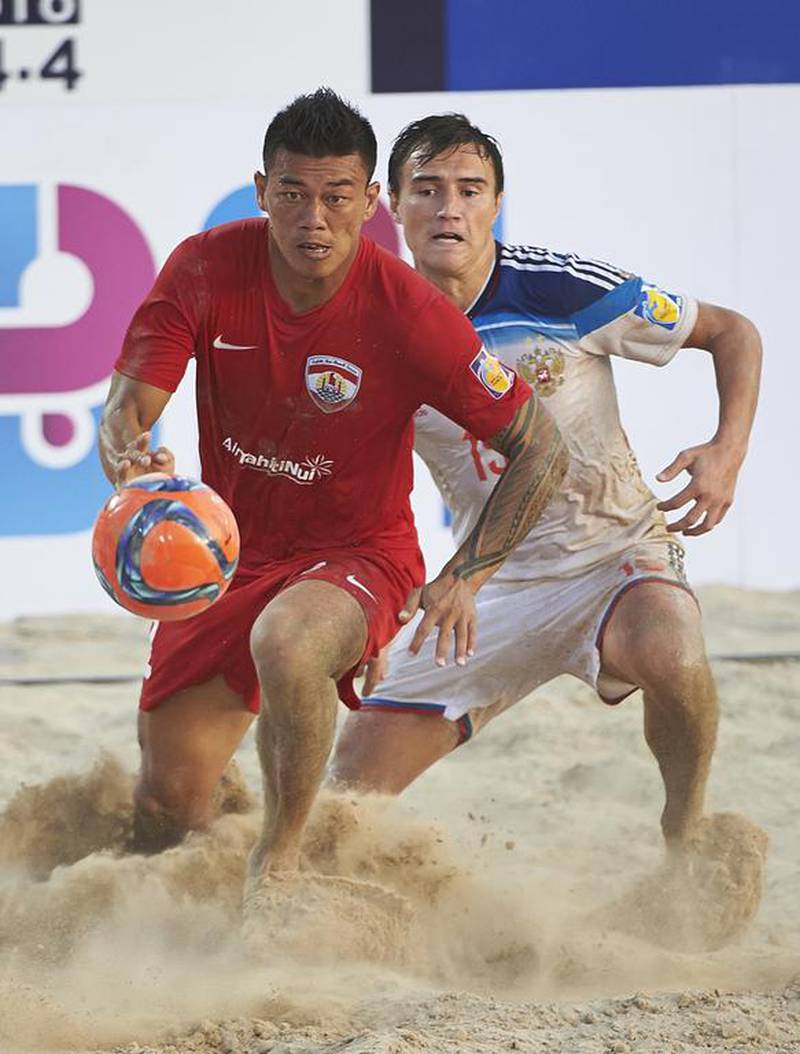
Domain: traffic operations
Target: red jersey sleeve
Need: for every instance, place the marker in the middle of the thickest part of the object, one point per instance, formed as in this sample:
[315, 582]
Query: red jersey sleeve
[161, 337]
[465, 382]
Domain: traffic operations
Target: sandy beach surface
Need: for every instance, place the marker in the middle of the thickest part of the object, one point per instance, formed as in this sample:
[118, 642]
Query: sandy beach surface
[515, 899]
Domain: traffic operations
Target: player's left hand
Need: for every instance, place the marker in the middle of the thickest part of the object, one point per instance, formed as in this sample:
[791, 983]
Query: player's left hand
[449, 603]
[714, 468]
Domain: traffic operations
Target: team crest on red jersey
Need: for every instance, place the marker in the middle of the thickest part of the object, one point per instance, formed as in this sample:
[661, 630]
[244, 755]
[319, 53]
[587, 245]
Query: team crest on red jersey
[332, 383]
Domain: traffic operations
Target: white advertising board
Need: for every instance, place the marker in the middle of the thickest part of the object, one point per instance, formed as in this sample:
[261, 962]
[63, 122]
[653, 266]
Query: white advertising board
[693, 188]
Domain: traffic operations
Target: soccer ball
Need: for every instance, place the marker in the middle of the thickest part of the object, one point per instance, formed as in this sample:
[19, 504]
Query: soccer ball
[165, 547]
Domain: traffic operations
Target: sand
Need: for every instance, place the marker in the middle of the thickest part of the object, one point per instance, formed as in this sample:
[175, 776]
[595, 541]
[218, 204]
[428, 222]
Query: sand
[515, 899]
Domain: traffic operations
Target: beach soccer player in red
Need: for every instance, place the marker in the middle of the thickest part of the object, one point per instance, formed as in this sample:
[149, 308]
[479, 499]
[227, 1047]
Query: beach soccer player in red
[314, 348]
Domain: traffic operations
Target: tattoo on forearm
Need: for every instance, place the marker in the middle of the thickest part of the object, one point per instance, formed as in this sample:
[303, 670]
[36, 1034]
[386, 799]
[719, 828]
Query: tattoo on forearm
[537, 462]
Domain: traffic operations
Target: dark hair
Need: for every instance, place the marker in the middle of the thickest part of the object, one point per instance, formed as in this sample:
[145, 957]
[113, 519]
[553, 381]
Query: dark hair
[321, 125]
[435, 135]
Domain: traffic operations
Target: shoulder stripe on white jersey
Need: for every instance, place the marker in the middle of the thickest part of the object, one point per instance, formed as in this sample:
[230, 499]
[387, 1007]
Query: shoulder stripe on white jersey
[535, 250]
[531, 254]
[585, 276]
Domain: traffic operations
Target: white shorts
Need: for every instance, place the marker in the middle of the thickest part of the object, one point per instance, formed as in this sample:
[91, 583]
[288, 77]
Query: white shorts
[528, 633]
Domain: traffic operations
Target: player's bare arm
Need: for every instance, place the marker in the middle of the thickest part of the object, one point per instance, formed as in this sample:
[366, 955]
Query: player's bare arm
[537, 462]
[131, 410]
[735, 347]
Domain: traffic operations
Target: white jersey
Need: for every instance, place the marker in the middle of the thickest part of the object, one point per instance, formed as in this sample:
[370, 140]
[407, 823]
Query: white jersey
[557, 319]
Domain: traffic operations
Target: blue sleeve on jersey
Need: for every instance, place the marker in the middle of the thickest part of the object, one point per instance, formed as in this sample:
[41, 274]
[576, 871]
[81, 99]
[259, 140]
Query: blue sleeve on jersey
[613, 305]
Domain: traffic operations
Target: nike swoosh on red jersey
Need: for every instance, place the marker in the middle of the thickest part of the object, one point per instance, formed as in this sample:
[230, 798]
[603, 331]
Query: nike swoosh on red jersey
[222, 346]
[360, 585]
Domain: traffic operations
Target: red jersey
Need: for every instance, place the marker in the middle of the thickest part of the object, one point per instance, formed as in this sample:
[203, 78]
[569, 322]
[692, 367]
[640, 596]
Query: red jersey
[305, 421]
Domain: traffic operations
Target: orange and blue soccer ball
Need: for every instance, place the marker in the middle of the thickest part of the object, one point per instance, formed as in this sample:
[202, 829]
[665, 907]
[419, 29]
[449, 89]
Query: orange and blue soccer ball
[165, 547]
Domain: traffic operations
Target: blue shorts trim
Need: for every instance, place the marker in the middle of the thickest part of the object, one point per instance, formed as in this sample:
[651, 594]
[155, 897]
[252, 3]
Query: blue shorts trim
[463, 724]
[375, 702]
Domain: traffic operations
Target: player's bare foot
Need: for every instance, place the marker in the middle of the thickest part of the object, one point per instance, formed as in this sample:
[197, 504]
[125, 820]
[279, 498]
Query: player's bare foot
[728, 853]
[315, 918]
[706, 894]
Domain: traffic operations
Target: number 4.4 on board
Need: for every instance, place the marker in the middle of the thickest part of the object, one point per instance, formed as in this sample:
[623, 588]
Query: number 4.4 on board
[60, 65]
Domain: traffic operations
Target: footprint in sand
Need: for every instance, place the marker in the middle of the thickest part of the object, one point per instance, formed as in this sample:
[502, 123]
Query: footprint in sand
[708, 898]
[318, 918]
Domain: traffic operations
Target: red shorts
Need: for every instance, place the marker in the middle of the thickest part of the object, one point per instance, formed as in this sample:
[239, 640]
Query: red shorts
[218, 640]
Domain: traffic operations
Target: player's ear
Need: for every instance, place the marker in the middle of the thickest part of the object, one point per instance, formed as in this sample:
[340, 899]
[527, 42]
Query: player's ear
[260, 181]
[394, 203]
[373, 195]
[498, 204]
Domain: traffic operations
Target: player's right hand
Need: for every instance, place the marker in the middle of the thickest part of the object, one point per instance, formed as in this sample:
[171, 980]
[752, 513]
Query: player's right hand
[449, 604]
[137, 459]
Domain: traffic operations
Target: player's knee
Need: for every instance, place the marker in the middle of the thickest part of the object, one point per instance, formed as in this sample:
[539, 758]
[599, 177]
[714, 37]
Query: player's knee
[677, 668]
[166, 809]
[158, 824]
[282, 652]
[664, 646]
[152, 806]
